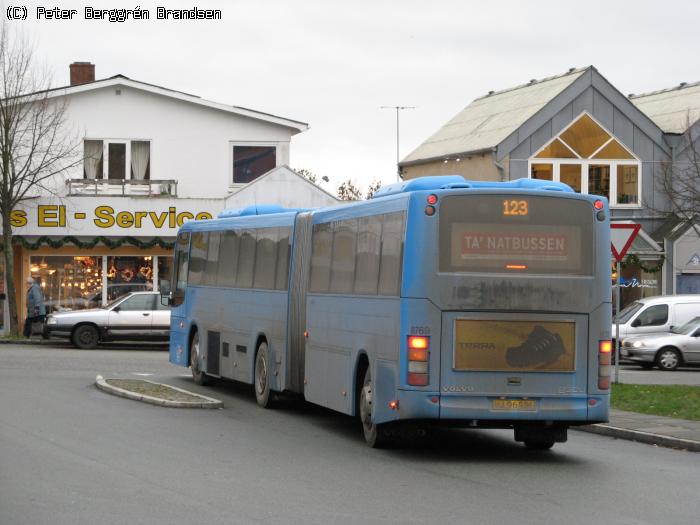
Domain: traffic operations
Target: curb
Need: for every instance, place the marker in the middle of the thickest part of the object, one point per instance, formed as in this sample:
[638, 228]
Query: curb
[206, 402]
[26, 341]
[642, 437]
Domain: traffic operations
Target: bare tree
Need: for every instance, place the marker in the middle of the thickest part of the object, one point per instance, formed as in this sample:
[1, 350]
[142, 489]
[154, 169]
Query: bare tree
[680, 179]
[311, 176]
[34, 143]
[347, 191]
[373, 187]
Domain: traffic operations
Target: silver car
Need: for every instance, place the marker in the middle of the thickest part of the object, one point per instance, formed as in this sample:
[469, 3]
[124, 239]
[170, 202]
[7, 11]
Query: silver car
[135, 316]
[666, 350]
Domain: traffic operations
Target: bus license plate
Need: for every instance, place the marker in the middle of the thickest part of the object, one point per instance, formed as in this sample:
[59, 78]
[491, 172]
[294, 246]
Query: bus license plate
[513, 404]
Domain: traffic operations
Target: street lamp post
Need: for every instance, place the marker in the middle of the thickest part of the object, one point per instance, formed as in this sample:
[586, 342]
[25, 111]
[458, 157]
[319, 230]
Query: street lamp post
[398, 109]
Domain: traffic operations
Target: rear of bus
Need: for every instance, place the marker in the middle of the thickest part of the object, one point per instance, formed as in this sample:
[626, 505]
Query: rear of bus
[506, 308]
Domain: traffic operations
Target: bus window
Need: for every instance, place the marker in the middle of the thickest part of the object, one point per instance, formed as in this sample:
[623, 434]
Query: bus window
[321, 257]
[211, 267]
[198, 257]
[343, 259]
[181, 266]
[228, 259]
[391, 254]
[246, 260]
[283, 249]
[266, 258]
[369, 232]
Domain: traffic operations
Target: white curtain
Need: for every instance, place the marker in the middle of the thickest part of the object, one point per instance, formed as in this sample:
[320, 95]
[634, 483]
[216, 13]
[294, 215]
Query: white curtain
[93, 156]
[140, 153]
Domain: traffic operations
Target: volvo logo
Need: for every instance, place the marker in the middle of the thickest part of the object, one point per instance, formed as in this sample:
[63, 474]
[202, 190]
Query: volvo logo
[453, 388]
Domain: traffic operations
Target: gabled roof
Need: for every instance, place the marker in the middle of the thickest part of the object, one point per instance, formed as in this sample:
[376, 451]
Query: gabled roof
[121, 80]
[674, 110]
[490, 119]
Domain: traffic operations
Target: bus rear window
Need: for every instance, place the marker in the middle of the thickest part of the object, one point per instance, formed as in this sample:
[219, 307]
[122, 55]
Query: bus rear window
[516, 234]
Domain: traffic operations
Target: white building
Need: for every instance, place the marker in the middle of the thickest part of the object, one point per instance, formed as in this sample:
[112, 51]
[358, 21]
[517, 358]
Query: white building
[153, 158]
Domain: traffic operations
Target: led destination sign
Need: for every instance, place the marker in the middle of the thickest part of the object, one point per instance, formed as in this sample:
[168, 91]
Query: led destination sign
[513, 244]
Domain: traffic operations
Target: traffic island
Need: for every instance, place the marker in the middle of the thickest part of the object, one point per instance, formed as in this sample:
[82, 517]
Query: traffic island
[155, 393]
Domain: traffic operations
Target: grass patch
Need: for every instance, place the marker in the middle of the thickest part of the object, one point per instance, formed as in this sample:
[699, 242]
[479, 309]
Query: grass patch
[677, 401]
[147, 388]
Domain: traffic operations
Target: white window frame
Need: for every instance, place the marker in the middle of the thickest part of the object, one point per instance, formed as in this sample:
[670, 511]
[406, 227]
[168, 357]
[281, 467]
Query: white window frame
[585, 163]
[232, 144]
[127, 166]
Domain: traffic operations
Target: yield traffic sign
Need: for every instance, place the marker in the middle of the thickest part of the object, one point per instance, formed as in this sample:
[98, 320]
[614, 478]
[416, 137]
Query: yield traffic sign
[621, 237]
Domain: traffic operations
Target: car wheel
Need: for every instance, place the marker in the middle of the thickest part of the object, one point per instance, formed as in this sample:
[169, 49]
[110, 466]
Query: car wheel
[261, 382]
[668, 359]
[198, 375]
[375, 435]
[85, 336]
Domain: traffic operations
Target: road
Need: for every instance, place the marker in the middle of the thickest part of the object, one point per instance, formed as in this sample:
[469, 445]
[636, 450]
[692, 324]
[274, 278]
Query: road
[71, 454]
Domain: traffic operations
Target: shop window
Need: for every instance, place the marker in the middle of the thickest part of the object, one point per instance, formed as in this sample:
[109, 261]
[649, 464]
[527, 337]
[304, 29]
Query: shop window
[128, 273]
[542, 172]
[249, 162]
[68, 283]
[590, 160]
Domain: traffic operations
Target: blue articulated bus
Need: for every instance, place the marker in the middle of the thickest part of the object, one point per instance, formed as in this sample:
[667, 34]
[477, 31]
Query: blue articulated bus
[438, 301]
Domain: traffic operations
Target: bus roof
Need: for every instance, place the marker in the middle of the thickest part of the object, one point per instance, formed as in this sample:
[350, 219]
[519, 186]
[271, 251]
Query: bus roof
[257, 209]
[453, 182]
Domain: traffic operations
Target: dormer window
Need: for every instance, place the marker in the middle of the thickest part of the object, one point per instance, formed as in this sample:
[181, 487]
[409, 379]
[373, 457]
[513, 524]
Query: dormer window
[590, 160]
[117, 159]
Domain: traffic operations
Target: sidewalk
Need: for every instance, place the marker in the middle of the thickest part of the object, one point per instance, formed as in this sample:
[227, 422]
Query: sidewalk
[653, 430]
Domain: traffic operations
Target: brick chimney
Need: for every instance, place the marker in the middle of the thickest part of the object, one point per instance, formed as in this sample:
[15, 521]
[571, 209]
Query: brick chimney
[81, 73]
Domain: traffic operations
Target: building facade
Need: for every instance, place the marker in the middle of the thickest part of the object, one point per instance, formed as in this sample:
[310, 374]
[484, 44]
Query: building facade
[152, 158]
[579, 129]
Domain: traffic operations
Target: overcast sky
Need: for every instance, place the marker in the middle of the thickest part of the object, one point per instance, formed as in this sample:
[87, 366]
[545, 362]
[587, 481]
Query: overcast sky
[333, 64]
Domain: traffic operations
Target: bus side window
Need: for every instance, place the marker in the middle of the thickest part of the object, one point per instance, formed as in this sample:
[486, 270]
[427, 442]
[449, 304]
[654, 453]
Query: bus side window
[228, 259]
[343, 259]
[246, 260]
[181, 268]
[282, 277]
[322, 242]
[369, 233]
[391, 254]
[266, 258]
[198, 257]
[211, 266]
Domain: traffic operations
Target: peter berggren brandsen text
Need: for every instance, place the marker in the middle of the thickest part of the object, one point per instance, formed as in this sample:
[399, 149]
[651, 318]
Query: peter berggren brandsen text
[122, 15]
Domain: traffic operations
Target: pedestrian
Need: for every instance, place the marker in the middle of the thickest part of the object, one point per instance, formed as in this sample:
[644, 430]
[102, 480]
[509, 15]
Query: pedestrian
[36, 310]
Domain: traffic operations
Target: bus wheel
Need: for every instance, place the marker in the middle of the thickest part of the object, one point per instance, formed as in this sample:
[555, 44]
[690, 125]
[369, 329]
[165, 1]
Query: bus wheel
[375, 435]
[85, 337]
[197, 374]
[261, 380]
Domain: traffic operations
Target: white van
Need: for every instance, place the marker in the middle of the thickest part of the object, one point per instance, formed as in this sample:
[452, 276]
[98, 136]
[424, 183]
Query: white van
[656, 314]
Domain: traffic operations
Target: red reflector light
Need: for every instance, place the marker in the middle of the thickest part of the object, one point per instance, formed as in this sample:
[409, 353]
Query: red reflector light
[417, 354]
[417, 379]
[598, 205]
[429, 211]
[605, 347]
[432, 199]
[418, 342]
[394, 404]
[516, 266]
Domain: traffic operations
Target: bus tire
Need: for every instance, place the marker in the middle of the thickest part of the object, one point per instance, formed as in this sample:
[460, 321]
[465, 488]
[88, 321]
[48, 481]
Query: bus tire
[261, 376]
[375, 435]
[198, 375]
[85, 337]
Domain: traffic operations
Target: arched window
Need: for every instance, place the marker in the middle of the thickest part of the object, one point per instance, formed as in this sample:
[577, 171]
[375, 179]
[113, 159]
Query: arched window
[590, 160]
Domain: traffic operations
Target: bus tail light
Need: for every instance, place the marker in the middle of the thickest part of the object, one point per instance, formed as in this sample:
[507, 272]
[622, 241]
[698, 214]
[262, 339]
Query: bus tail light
[604, 360]
[418, 365]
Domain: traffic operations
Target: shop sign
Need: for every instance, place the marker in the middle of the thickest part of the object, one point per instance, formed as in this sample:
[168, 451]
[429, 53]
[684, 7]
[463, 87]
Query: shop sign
[57, 216]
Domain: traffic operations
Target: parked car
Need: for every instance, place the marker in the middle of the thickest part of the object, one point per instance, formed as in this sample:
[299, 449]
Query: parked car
[94, 300]
[135, 316]
[656, 314]
[665, 350]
